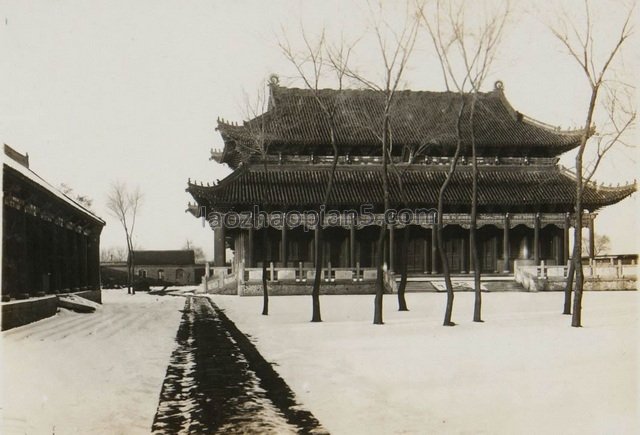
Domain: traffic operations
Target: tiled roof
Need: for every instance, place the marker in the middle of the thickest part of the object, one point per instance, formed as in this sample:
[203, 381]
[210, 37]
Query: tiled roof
[158, 258]
[21, 166]
[502, 187]
[295, 123]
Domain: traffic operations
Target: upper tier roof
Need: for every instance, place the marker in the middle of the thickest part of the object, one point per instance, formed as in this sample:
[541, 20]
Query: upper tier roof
[295, 124]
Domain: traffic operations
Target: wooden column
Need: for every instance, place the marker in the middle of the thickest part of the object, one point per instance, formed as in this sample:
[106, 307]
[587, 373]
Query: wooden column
[592, 235]
[91, 272]
[55, 260]
[352, 245]
[36, 256]
[434, 249]
[506, 254]
[466, 256]
[392, 247]
[218, 247]
[494, 250]
[425, 247]
[68, 259]
[24, 263]
[63, 259]
[316, 244]
[249, 253]
[557, 243]
[84, 252]
[76, 258]
[536, 239]
[565, 239]
[283, 246]
[95, 260]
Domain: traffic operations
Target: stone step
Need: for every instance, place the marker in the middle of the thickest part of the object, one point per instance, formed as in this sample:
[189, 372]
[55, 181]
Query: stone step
[438, 285]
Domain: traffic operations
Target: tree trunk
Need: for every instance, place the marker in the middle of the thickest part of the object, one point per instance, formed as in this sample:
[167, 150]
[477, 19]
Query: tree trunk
[576, 320]
[473, 234]
[265, 288]
[377, 302]
[130, 267]
[568, 288]
[443, 257]
[447, 275]
[406, 236]
[315, 293]
[377, 312]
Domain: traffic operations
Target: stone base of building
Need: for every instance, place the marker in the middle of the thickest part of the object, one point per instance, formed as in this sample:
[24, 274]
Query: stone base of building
[22, 312]
[92, 295]
[290, 289]
[590, 284]
[611, 284]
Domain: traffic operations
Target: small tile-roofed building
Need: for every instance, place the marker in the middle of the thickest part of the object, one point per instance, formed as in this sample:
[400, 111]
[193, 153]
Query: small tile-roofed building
[159, 267]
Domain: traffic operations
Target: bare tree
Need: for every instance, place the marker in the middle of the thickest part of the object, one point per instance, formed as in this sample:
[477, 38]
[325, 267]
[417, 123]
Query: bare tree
[123, 204]
[406, 237]
[197, 250]
[601, 245]
[596, 65]
[395, 47]
[257, 144]
[113, 254]
[466, 53]
[310, 65]
[84, 200]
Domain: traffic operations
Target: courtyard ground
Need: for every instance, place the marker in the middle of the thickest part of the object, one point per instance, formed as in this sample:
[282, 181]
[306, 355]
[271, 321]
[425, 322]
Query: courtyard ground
[98, 373]
[524, 370]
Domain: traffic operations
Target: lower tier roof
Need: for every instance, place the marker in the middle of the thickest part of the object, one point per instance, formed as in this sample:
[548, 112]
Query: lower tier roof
[537, 188]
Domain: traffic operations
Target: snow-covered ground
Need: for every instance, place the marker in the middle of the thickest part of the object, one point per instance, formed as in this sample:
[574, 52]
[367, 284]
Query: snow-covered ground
[89, 373]
[523, 371]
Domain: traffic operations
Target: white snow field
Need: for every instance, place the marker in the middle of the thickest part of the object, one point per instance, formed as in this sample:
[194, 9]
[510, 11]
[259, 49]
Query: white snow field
[523, 371]
[98, 373]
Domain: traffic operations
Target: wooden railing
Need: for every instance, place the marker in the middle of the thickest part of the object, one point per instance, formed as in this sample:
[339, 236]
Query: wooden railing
[528, 275]
[305, 274]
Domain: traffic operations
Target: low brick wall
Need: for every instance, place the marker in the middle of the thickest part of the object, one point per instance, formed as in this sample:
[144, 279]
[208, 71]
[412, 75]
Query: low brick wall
[610, 284]
[227, 289]
[18, 313]
[590, 284]
[293, 288]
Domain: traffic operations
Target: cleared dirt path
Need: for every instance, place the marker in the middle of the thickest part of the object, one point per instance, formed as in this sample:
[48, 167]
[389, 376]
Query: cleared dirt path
[217, 382]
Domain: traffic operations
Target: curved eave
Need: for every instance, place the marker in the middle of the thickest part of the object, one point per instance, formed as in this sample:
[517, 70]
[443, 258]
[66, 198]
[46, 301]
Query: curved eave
[232, 136]
[504, 187]
[596, 197]
[205, 195]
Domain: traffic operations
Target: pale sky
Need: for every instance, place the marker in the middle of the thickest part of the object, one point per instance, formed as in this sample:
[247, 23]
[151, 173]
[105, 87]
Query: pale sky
[130, 90]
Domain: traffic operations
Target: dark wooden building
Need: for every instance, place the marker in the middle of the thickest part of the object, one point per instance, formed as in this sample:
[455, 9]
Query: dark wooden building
[525, 198]
[50, 243]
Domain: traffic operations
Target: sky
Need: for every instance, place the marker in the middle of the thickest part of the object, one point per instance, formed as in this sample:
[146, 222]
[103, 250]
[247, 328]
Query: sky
[103, 91]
